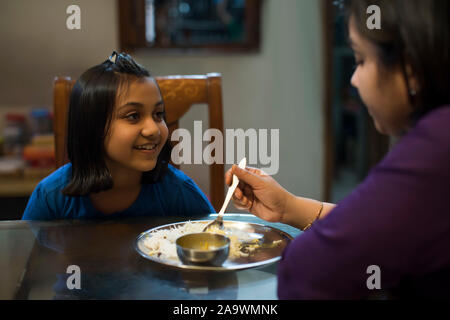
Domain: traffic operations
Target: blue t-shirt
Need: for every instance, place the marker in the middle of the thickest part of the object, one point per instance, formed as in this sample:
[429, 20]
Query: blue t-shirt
[175, 195]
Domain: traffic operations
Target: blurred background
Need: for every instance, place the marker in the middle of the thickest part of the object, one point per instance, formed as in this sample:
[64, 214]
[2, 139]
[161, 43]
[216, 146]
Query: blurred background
[285, 65]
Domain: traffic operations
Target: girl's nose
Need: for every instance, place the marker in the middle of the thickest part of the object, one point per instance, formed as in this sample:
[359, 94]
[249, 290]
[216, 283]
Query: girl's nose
[150, 128]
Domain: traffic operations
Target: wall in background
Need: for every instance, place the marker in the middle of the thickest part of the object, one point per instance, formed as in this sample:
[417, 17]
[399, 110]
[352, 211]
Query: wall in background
[37, 46]
[281, 87]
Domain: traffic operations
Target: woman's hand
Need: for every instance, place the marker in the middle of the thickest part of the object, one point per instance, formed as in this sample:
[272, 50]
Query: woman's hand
[258, 193]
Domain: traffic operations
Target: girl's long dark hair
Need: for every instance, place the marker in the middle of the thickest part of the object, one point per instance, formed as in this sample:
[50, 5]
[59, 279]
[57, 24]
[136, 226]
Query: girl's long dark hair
[414, 33]
[90, 111]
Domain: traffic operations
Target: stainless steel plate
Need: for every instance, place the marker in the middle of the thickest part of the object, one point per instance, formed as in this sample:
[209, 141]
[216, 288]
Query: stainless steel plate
[266, 254]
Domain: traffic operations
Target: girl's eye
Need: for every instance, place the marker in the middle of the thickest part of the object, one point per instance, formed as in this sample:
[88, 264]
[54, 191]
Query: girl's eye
[159, 116]
[132, 116]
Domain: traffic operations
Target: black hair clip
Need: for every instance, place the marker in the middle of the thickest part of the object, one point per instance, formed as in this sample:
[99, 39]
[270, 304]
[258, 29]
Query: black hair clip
[113, 57]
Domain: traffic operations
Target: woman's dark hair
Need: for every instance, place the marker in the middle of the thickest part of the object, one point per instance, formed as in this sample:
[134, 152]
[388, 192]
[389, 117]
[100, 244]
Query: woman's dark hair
[414, 33]
[90, 111]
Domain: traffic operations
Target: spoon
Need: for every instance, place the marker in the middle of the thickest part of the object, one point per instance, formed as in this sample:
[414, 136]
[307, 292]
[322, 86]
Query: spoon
[219, 220]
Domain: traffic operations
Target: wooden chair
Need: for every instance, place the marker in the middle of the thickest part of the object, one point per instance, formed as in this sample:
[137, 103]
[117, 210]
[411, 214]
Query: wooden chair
[179, 94]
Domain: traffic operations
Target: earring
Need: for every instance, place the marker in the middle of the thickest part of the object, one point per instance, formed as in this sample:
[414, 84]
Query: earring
[412, 92]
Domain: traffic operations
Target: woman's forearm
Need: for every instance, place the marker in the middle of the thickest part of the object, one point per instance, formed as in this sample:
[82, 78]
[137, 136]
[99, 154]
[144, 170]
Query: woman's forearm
[300, 212]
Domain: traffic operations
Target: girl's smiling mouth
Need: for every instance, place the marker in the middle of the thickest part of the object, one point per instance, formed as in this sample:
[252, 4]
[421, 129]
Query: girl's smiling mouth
[147, 148]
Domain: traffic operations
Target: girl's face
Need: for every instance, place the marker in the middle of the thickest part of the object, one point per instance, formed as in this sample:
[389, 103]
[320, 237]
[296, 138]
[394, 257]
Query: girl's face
[138, 131]
[385, 94]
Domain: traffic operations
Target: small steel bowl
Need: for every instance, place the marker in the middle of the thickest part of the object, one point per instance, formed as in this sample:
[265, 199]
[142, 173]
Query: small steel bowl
[203, 248]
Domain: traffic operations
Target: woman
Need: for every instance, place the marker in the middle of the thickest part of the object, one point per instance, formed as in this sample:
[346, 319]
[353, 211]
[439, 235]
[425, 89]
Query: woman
[393, 232]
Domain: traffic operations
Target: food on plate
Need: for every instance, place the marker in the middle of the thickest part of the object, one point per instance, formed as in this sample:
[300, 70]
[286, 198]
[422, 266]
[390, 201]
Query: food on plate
[161, 243]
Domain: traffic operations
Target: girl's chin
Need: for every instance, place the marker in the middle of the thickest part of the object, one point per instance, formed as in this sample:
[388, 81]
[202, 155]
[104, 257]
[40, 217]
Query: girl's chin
[140, 166]
[145, 168]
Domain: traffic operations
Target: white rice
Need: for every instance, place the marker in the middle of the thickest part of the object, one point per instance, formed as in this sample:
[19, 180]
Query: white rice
[161, 243]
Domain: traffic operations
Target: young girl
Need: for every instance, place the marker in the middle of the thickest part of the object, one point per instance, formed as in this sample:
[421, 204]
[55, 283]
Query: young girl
[119, 151]
[392, 234]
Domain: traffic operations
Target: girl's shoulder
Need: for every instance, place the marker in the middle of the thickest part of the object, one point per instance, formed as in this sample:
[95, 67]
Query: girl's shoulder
[57, 180]
[179, 194]
[175, 179]
[175, 176]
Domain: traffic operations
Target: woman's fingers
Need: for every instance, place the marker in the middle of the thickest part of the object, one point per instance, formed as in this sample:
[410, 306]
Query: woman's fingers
[245, 175]
[238, 193]
[243, 204]
[249, 175]
[243, 200]
[247, 191]
[239, 198]
[228, 178]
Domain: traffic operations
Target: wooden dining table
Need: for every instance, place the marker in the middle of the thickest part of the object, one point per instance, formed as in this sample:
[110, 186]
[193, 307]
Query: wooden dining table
[37, 260]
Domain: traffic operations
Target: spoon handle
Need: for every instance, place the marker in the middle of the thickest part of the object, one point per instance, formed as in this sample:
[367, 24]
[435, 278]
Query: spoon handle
[228, 198]
[230, 192]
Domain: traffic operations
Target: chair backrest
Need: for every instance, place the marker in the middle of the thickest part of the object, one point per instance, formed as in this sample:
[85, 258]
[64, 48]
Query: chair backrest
[179, 94]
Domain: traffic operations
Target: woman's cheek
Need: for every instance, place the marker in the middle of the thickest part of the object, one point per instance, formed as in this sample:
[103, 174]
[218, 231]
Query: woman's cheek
[164, 132]
[378, 126]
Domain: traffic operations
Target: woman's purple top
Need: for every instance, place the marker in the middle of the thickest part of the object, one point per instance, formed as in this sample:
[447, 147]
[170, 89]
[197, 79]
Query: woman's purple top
[397, 220]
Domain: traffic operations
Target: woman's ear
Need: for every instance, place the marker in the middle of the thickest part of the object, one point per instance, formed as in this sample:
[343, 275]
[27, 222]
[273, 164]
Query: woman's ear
[411, 78]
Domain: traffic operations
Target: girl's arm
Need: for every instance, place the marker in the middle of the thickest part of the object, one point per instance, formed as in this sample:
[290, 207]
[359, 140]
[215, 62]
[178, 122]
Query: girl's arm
[37, 207]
